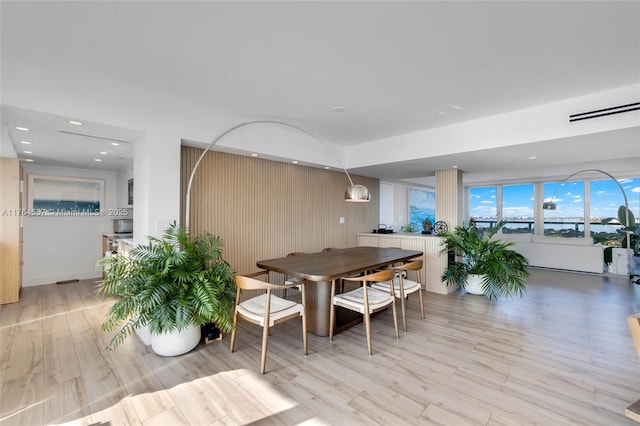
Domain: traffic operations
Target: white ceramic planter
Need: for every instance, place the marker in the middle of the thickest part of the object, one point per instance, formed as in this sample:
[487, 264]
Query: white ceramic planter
[474, 284]
[144, 334]
[177, 342]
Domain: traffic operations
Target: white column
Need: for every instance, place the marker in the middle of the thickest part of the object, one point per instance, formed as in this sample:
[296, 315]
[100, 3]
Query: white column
[156, 183]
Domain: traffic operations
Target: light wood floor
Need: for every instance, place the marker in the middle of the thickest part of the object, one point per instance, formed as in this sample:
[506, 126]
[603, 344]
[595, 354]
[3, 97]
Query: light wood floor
[561, 355]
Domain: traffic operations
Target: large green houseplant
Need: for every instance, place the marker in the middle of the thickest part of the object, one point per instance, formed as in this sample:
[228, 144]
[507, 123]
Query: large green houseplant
[170, 284]
[501, 271]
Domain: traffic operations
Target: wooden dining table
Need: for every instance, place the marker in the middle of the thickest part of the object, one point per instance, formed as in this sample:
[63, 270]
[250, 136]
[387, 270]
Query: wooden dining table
[319, 269]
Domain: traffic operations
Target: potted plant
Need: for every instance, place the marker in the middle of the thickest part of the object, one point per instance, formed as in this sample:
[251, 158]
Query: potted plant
[489, 266]
[173, 285]
[409, 228]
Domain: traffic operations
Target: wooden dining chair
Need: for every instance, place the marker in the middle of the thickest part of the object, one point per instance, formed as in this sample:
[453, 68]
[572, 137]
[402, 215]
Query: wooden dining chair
[403, 286]
[365, 300]
[265, 310]
[292, 281]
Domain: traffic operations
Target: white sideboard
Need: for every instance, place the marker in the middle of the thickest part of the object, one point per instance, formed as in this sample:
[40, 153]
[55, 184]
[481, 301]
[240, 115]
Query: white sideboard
[434, 263]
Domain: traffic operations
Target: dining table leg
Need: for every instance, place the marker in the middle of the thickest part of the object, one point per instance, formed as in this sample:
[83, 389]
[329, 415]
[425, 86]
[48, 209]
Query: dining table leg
[318, 307]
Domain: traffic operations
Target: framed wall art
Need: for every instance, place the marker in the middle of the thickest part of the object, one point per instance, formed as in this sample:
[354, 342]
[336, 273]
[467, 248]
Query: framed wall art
[64, 196]
[422, 205]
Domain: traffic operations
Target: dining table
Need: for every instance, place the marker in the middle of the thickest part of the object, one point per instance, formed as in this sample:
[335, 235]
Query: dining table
[320, 269]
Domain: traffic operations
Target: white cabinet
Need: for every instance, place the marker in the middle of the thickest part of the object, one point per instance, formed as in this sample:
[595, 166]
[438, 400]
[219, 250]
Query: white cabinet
[434, 263]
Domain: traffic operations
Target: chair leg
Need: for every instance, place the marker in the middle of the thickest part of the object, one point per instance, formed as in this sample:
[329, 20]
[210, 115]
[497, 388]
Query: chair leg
[233, 332]
[395, 318]
[421, 303]
[404, 312]
[332, 311]
[367, 325]
[304, 322]
[265, 339]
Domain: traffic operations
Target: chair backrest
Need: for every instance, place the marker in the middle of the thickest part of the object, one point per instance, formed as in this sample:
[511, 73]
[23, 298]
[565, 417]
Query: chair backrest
[414, 265]
[249, 283]
[383, 275]
[247, 286]
[329, 249]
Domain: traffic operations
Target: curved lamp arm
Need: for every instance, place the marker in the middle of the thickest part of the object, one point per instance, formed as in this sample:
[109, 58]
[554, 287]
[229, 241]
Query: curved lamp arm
[550, 205]
[357, 193]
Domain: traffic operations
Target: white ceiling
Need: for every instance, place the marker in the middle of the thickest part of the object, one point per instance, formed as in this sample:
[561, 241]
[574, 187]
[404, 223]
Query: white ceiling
[395, 67]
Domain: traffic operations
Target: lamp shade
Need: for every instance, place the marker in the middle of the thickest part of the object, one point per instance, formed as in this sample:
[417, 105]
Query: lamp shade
[357, 194]
[549, 205]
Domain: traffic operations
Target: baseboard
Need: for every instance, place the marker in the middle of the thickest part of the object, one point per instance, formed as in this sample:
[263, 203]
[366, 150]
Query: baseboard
[52, 279]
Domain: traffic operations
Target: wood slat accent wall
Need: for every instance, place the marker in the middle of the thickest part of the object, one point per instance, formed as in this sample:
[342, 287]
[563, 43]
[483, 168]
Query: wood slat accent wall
[265, 209]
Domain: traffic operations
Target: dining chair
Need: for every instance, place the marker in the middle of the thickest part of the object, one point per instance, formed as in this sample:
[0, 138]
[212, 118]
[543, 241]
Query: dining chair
[265, 310]
[365, 300]
[292, 281]
[403, 286]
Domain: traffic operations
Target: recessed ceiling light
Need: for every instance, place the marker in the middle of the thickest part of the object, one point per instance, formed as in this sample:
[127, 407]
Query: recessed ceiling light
[442, 112]
[29, 160]
[254, 155]
[115, 144]
[532, 158]
[24, 129]
[454, 106]
[454, 167]
[75, 123]
[338, 109]
[103, 152]
[97, 160]
[295, 161]
[327, 167]
[28, 152]
[25, 142]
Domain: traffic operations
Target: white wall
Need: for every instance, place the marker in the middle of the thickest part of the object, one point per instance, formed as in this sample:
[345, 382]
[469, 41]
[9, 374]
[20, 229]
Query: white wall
[156, 167]
[64, 248]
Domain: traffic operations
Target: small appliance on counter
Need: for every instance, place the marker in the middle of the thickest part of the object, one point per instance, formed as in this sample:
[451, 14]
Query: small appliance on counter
[382, 229]
[122, 226]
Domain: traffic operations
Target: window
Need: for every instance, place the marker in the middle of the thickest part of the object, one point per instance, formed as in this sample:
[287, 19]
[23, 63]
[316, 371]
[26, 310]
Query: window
[517, 208]
[594, 200]
[605, 200]
[567, 220]
[483, 206]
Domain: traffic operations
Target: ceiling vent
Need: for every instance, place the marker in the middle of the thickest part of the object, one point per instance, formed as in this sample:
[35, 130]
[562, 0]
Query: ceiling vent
[92, 136]
[606, 111]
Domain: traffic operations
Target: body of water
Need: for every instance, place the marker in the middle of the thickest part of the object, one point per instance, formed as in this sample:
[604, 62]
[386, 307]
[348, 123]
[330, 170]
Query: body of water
[80, 207]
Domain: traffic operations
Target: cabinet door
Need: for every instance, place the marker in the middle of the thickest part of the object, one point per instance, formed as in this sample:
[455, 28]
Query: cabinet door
[10, 230]
[388, 242]
[367, 241]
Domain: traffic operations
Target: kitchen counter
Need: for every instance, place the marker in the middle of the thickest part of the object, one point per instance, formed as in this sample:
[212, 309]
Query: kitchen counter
[112, 241]
[434, 262]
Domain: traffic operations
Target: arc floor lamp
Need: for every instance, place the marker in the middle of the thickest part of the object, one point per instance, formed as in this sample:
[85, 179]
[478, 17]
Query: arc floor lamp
[353, 193]
[551, 205]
